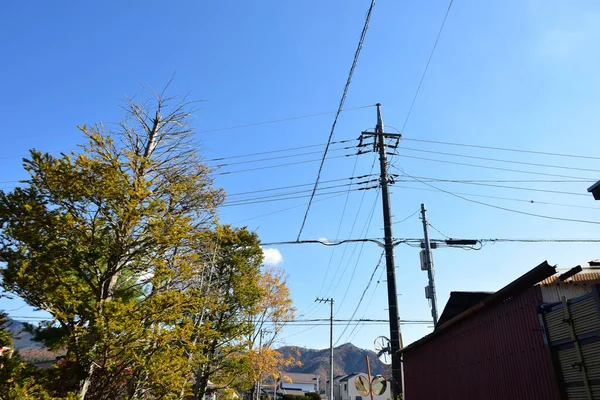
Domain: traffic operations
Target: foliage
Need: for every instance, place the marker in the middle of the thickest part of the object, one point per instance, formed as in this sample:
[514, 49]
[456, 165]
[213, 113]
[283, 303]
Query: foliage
[312, 396]
[149, 296]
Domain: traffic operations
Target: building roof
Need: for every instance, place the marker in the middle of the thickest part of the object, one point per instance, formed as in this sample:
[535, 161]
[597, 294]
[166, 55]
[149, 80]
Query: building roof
[352, 375]
[298, 377]
[459, 302]
[293, 392]
[531, 278]
[589, 275]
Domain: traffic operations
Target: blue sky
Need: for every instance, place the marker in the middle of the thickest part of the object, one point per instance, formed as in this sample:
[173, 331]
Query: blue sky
[516, 74]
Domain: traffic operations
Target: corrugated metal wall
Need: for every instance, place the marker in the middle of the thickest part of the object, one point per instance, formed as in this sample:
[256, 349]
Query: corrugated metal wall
[498, 353]
[574, 336]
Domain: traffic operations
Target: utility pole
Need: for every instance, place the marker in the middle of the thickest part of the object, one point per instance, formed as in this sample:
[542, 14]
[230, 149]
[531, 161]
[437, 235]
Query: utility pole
[430, 289]
[330, 301]
[379, 138]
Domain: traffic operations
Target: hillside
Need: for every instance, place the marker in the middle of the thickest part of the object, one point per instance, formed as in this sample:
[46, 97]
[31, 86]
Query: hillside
[347, 358]
[21, 338]
[29, 349]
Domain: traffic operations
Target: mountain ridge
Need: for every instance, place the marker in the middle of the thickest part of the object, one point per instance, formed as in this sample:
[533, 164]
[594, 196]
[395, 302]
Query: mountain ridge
[347, 359]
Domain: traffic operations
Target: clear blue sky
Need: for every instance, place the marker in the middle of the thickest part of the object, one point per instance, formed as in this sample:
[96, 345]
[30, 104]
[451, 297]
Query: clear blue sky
[518, 74]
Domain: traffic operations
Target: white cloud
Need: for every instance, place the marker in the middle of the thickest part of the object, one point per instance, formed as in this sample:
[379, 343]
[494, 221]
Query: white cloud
[272, 257]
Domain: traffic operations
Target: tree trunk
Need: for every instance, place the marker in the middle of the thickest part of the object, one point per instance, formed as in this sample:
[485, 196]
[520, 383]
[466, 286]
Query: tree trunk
[85, 385]
[200, 385]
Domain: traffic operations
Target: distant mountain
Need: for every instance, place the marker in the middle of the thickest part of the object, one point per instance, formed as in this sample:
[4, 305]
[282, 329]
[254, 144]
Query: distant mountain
[29, 350]
[347, 359]
[21, 338]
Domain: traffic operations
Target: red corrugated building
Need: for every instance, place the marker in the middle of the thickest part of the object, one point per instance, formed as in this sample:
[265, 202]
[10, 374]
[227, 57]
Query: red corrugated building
[492, 350]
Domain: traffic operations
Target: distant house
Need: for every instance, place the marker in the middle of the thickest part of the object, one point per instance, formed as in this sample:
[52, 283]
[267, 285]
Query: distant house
[299, 381]
[344, 388]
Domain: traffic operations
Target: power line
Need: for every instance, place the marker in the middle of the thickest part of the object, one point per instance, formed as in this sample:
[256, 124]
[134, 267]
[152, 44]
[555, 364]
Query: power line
[362, 296]
[539, 240]
[417, 241]
[356, 326]
[529, 201]
[341, 105]
[502, 149]
[466, 182]
[407, 218]
[337, 235]
[503, 208]
[282, 120]
[350, 233]
[242, 202]
[276, 151]
[279, 165]
[362, 245]
[277, 195]
[276, 158]
[270, 190]
[437, 39]
[283, 210]
[490, 167]
[498, 160]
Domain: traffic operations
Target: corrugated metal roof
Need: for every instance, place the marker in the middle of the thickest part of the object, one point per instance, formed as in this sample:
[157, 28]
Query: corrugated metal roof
[459, 302]
[585, 277]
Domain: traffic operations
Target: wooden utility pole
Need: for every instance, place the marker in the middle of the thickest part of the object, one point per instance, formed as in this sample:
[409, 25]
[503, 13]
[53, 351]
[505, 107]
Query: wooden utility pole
[330, 301]
[430, 292]
[379, 139]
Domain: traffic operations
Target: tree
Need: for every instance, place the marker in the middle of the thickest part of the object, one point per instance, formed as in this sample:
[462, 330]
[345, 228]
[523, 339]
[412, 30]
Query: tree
[105, 239]
[268, 317]
[149, 295]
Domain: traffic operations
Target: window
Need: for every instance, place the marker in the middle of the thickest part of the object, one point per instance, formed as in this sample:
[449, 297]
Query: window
[345, 387]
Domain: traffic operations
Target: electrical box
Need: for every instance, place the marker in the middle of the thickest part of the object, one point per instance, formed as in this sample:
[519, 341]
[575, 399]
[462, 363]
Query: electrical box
[428, 292]
[423, 260]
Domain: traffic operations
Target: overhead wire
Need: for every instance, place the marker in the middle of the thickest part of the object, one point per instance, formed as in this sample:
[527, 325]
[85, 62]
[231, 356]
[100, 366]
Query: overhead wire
[502, 148]
[494, 168]
[366, 231]
[502, 208]
[277, 157]
[242, 202]
[283, 210]
[350, 185]
[528, 201]
[497, 159]
[360, 204]
[281, 120]
[275, 151]
[437, 39]
[336, 237]
[357, 327]
[351, 229]
[340, 107]
[279, 165]
[361, 297]
[466, 182]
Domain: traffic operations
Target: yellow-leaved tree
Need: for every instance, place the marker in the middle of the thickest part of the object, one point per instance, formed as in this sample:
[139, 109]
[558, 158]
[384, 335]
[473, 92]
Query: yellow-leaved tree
[120, 244]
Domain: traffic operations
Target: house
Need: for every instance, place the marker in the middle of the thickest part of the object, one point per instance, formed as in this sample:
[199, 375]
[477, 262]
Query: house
[344, 388]
[494, 345]
[300, 381]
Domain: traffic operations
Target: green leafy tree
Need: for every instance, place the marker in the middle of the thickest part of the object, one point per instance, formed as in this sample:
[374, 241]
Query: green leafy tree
[150, 297]
[105, 240]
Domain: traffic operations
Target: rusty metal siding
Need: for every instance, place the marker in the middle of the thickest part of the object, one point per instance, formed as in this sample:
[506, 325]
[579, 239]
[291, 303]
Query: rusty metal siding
[498, 353]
